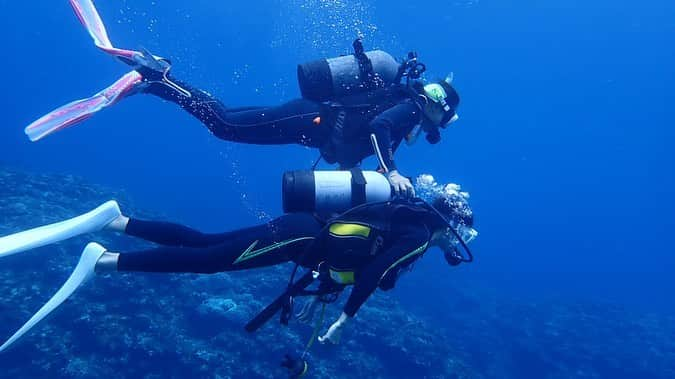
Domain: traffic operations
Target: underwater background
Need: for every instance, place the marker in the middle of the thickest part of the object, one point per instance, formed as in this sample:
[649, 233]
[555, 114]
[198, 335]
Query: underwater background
[565, 143]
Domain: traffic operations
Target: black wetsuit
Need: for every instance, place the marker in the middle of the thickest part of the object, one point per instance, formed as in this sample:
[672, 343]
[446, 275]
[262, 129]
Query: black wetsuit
[368, 247]
[187, 250]
[340, 129]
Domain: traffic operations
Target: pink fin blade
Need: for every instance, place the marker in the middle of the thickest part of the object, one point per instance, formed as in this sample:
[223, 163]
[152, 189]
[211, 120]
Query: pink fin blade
[129, 54]
[122, 87]
[80, 110]
[89, 17]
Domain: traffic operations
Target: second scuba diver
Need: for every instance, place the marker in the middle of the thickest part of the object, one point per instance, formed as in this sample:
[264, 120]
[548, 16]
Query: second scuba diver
[367, 247]
[344, 101]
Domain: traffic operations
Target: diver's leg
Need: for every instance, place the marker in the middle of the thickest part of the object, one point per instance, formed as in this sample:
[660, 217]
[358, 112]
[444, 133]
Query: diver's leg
[172, 234]
[289, 123]
[200, 104]
[276, 242]
[167, 233]
[294, 122]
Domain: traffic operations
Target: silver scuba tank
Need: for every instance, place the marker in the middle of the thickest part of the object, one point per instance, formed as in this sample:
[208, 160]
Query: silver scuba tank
[332, 191]
[326, 79]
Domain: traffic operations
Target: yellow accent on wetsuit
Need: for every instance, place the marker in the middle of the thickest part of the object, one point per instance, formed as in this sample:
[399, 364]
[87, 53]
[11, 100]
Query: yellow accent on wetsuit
[250, 253]
[349, 230]
[342, 277]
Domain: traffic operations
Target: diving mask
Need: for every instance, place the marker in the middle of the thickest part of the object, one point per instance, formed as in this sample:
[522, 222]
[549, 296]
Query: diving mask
[449, 244]
[443, 94]
[449, 240]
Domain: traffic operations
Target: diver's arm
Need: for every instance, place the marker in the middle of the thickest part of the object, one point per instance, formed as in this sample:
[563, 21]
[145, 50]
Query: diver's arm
[402, 115]
[335, 330]
[385, 126]
[402, 251]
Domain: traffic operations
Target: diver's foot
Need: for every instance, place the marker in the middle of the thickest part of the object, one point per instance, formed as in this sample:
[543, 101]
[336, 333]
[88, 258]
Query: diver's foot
[155, 72]
[91, 254]
[119, 224]
[153, 68]
[106, 262]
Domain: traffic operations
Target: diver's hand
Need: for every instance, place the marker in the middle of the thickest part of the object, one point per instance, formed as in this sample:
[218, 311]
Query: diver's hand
[402, 185]
[306, 314]
[335, 330]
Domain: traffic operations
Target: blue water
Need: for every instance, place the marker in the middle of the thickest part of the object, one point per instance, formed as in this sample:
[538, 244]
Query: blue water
[565, 138]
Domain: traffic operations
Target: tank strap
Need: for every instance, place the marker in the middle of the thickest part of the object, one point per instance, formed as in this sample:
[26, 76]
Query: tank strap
[365, 65]
[358, 187]
[317, 161]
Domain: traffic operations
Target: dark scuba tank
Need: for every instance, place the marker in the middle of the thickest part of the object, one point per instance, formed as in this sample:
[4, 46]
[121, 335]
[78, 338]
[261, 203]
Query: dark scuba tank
[331, 78]
[332, 191]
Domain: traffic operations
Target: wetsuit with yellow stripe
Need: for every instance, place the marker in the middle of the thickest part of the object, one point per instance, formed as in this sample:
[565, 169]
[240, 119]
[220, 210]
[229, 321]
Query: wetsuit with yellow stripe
[372, 246]
[368, 247]
[183, 249]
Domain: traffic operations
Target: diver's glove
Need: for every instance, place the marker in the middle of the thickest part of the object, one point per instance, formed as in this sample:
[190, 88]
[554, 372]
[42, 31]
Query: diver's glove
[335, 330]
[402, 185]
[306, 314]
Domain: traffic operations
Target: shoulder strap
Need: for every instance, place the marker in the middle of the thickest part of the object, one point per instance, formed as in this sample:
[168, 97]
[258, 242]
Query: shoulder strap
[365, 65]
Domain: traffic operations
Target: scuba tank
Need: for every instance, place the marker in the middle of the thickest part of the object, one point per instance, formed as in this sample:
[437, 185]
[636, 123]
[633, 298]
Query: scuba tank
[333, 78]
[327, 79]
[332, 191]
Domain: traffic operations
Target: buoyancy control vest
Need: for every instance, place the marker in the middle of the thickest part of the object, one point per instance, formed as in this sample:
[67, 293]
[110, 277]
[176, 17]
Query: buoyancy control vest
[348, 117]
[381, 215]
[353, 90]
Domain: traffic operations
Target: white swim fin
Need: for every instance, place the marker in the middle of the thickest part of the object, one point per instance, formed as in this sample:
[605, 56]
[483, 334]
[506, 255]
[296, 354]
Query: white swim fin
[92, 221]
[82, 273]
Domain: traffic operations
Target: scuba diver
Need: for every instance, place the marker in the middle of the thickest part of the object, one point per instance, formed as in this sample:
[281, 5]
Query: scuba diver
[338, 126]
[344, 101]
[367, 247]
